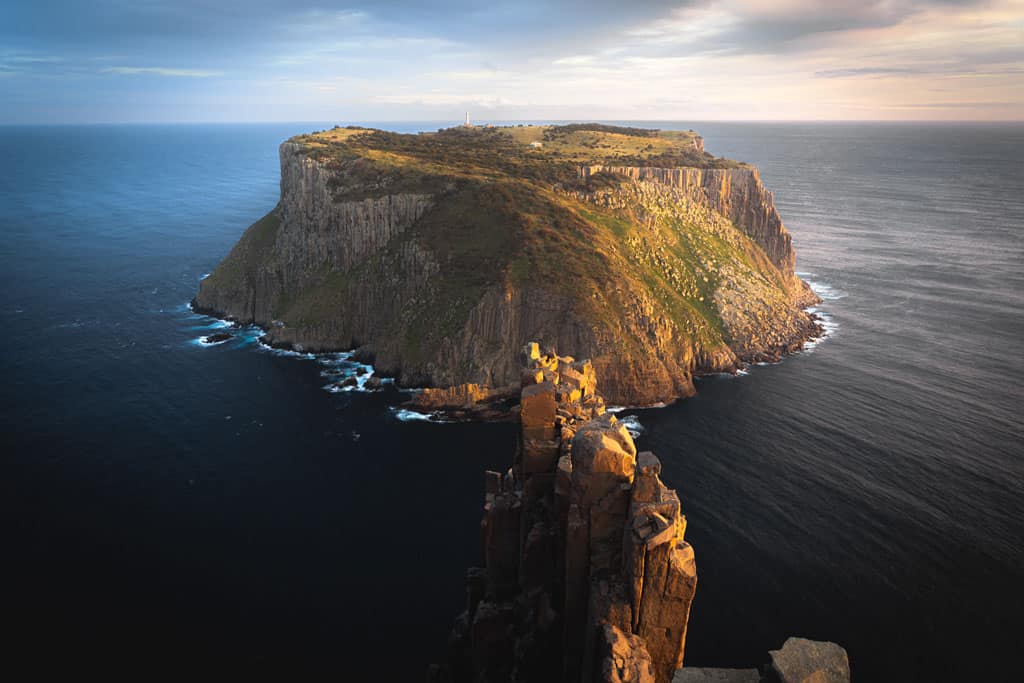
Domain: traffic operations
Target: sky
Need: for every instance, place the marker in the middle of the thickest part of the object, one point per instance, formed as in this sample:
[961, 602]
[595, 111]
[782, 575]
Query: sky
[70, 61]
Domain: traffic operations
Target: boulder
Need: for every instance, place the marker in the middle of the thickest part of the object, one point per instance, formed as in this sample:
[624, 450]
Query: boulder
[602, 459]
[810, 661]
[217, 338]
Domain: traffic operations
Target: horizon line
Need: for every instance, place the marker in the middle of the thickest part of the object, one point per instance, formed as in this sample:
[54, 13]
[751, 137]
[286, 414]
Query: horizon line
[458, 121]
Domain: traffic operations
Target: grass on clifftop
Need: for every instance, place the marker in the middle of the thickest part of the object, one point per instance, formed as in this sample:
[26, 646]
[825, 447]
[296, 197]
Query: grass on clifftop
[371, 162]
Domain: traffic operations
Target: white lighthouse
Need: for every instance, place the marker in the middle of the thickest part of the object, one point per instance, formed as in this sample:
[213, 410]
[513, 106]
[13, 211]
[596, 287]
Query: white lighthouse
[467, 124]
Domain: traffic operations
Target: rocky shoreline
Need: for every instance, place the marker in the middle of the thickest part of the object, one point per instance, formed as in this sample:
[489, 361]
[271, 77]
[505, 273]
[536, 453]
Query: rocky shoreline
[473, 401]
[498, 404]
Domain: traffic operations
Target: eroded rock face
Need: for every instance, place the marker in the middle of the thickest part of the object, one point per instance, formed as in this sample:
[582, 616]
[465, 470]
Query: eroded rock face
[587, 574]
[736, 193]
[624, 657]
[345, 232]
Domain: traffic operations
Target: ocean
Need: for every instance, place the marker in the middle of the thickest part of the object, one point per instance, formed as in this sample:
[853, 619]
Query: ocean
[170, 504]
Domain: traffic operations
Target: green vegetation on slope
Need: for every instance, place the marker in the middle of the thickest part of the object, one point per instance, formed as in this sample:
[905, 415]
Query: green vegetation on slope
[508, 216]
[255, 249]
[512, 211]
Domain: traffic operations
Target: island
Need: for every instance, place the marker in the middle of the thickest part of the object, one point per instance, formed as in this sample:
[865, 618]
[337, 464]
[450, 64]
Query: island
[437, 256]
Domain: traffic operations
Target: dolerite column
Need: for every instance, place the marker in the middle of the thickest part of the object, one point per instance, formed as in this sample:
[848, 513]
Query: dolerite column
[539, 437]
[586, 562]
[537, 644]
[603, 460]
[659, 567]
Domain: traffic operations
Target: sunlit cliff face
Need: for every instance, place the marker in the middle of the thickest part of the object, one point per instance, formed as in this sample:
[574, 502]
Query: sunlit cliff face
[691, 59]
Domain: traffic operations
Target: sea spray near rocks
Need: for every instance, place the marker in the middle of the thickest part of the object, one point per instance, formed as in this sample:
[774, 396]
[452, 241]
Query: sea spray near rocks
[345, 373]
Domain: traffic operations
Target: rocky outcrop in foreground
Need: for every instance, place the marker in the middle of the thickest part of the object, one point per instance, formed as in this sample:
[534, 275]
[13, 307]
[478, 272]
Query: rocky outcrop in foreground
[586, 573]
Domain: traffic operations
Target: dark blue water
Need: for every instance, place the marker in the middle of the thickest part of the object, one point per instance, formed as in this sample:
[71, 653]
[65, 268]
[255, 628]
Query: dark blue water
[173, 505]
[872, 491]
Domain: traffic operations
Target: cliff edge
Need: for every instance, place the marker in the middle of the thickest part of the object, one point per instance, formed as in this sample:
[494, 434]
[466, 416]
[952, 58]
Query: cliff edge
[439, 255]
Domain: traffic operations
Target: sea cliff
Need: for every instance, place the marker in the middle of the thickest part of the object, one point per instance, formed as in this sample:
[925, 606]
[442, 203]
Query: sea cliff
[438, 255]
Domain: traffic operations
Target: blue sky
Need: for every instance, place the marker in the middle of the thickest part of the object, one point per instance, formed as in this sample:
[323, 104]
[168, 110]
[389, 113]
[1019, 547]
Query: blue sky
[313, 60]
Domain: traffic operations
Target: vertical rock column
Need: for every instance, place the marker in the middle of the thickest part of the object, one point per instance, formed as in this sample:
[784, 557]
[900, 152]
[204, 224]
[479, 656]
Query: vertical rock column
[587, 574]
[659, 567]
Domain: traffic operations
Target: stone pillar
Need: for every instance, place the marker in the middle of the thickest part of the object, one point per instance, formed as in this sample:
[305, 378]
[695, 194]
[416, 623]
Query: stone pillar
[660, 569]
[603, 461]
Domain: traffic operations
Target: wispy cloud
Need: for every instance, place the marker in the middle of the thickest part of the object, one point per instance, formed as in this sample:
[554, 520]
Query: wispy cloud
[160, 71]
[483, 100]
[863, 71]
[400, 59]
[34, 59]
[575, 60]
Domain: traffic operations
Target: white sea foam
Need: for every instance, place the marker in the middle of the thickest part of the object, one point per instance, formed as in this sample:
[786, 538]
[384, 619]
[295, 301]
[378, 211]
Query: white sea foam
[201, 341]
[215, 325]
[406, 415]
[632, 425]
[335, 366]
[287, 353]
[828, 323]
[741, 372]
[339, 367]
[824, 290]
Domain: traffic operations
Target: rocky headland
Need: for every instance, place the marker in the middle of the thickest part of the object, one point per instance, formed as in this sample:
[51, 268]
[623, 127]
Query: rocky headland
[438, 255]
[586, 574]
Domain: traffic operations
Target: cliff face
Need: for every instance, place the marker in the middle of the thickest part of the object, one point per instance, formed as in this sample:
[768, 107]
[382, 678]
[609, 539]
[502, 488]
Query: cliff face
[438, 257]
[307, 238]
[325, 233]
[736, 193]
[586, 574]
